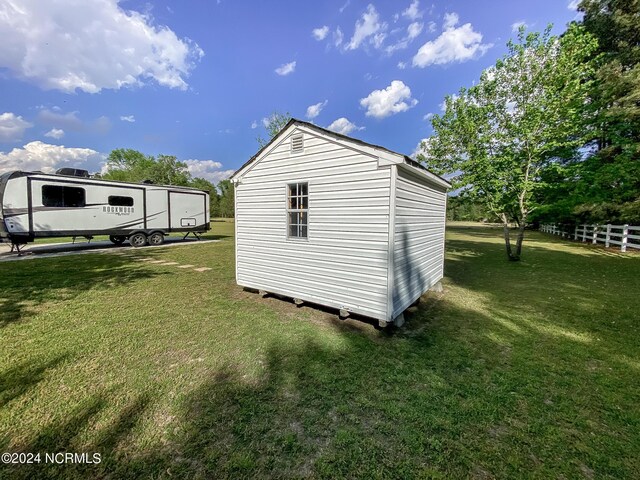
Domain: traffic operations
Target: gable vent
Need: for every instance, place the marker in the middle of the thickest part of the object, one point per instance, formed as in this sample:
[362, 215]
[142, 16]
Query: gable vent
[297, 143]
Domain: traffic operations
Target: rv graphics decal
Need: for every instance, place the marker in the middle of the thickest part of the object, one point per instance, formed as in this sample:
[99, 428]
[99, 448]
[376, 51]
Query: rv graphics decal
[118, 210]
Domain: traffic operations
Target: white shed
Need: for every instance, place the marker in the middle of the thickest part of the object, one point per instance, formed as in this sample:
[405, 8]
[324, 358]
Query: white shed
[331, 220]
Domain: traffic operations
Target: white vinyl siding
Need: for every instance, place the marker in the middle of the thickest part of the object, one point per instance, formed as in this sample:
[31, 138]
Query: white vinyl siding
[343, 263]
[418, 239]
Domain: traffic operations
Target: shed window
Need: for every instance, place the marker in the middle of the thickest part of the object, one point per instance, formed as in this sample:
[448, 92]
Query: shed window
[58, 196]
[297, 143]
[297, 209]
[116, 201]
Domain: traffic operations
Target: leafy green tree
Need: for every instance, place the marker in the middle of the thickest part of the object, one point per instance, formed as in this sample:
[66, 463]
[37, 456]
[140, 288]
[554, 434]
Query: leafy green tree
[602, 184]
[227, 201]
[499, 136]
[274, 124]
[130, 165]
[169, 171]
[611, 175]
[127, 165]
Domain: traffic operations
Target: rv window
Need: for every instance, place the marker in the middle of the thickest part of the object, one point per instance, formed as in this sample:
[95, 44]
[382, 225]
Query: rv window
[116, 201]
[58, 196]
[297, 210]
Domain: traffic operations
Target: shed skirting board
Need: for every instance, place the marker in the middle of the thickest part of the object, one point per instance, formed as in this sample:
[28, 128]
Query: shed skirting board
[316, 300]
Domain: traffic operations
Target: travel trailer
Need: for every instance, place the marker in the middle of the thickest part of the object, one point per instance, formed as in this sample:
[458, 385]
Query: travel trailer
[69, 204]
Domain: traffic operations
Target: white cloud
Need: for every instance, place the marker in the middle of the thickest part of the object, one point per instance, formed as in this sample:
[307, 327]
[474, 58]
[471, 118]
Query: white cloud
[414, 29]
[343, 126]
[400, 45]
[367, 26]
[453, 45]
[128, 118]
[378, 39]
[344, 6]
[450, 21]
[338, 36]
[56, 133]
[515, 26]
[286, 68]
[47, 158]
[394, 99]
[320, 33]
[432, 26]
[573, 5]
[402, 65]
[413, 12]
[12, 127]
[428, 116]
[314, 110]
[208, 169]
[91, 45]
[254, 125]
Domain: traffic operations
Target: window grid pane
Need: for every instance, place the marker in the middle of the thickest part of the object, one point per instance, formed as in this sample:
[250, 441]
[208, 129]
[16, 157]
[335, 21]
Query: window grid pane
[297, 206]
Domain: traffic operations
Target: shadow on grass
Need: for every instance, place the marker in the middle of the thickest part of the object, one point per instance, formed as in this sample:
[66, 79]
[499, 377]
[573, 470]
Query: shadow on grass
[435, 401]
[20, 379]
[26, 288]
[214, 237]
[61, 437]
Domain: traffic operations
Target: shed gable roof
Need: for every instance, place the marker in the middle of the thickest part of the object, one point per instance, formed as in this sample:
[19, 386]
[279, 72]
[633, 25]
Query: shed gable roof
[404, 159]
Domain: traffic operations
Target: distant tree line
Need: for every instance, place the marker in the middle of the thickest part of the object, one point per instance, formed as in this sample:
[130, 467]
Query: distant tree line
[463, 208]
[128, 165]
[551, 132]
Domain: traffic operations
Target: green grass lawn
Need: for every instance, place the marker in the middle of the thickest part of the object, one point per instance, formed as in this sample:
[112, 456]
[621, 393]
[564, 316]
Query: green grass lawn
[527, 369]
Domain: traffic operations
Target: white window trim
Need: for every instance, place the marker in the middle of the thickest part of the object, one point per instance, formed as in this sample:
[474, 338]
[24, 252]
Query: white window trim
[288, 210]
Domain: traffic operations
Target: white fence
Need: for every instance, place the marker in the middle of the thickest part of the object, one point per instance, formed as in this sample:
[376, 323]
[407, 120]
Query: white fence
[624, 236]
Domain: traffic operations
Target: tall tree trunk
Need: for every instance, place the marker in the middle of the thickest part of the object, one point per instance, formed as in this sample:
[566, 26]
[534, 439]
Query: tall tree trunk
[507, 237]
[520, 239]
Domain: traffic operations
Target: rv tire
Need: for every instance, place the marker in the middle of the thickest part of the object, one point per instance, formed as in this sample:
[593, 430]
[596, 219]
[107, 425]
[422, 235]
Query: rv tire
[156, 238]
[117, 239]
[138, 239]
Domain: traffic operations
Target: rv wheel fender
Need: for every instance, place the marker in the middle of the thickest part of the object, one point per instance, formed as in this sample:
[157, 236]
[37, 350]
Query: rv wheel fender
[156, 238]
[138, 239]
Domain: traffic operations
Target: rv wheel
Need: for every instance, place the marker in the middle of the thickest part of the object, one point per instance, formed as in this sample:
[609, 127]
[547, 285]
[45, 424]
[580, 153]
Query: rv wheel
[117, 239]
[138, 239]
[156, 238]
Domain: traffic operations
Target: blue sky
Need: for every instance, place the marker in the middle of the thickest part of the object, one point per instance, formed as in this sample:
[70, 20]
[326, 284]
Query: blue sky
[196, 78]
